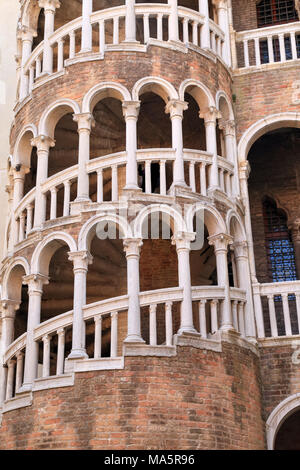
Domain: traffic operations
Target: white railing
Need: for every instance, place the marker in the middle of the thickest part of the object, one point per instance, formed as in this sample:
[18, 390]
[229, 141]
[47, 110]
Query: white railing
[106, 327]
[278, 306]
[110, 27]
[278, 43]
[107, 170]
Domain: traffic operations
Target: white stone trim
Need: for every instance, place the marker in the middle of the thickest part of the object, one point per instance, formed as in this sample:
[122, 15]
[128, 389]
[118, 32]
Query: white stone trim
[53, 113]
[104, 90]
[57, 381]
[20, 401]
[209, 99]
[54, 236]
[156, 84]
[279, 415]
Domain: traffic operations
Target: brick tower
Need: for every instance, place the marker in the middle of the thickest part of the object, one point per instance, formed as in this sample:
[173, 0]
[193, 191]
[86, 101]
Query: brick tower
[149, 285]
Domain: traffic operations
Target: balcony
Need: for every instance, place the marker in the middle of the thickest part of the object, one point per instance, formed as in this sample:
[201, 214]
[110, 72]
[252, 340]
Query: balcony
[121, 29]
[104, 332]
[277, 44]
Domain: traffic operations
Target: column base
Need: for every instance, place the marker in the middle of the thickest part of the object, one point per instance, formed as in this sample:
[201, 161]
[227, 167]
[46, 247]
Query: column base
[227, 328]
[130, 41]
[82, 199]
[134, 339]
[187, 330]
[78, 354]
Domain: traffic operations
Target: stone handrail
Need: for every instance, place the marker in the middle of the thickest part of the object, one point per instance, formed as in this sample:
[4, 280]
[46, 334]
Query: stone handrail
[287, 294]
[267, 35]
[64, 39]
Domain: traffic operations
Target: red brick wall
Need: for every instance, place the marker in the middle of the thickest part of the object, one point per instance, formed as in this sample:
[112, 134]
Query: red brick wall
[280, 376]
[197, 400]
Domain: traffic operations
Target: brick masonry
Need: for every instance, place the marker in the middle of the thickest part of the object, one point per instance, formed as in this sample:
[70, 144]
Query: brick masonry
[197, 400]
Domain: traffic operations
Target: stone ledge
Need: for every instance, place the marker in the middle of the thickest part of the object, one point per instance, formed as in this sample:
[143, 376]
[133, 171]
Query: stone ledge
[20, 401]
[195, 340]
[136, 349]
[87, 365]
[279, 341]
[56, 381]
[234, 337]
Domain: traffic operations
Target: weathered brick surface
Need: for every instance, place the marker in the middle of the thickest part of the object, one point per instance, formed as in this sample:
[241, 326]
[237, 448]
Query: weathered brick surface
[197, 400]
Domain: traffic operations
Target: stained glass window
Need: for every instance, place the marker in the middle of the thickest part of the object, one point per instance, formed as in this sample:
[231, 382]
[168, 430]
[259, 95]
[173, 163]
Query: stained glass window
[279, 246]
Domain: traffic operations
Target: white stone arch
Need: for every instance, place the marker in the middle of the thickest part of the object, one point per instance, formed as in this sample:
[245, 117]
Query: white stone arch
[46, 248]
[221, 97]
[86, 232]
[198, 91]
[282, 411]
[53, 113]
[157, 85]
[9, 291]
[104, 90]
[174, 214]
[23, 148]
[261, 127]
[240, 234]
[30, 14]
[212, 218]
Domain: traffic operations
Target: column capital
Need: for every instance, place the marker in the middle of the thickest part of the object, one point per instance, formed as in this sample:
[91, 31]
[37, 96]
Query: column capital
[176, 108]
[220, 241]
[210, 115]
[132, 246]
[9, 308]
[35, 282]
[25, 34]
[19, 172]
[81, 259]
[240, 249]
[183, 240]
[228, 126]
[85, 121]
[131, 109]
[244, 169]
[49, 4]
[43, 143]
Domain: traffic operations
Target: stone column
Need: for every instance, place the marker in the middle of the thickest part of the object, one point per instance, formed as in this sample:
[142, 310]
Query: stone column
[205, 34]
[86, 32]
[49, 11]
[210, 116]
[18, 192]
[27, 37]
[43, 145]
[130, 24]
[231, 152]
[173, 20]
[223, 21]
[183, 246]
[244, 282]
[132, 249]
[81, 261]
[9, 308]
[244, 172]
[220, 243]
[35, 291]
[131, 112]
[176, 108]
[85, 122]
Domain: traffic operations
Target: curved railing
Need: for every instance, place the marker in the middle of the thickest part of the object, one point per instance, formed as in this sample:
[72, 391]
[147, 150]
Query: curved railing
[198, 163]
[106, 328]
[65, 40]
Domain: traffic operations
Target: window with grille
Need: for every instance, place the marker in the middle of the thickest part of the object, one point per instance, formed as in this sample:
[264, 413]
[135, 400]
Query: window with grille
[279, 245]
[271, 12]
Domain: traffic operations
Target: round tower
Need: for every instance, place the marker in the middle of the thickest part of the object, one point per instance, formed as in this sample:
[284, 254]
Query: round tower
[127, 314]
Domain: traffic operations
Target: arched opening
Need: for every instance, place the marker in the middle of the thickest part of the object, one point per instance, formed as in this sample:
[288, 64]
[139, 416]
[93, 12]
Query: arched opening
[108, 136]
[154, 131]
[274, 161]
[26, 159]
[158, 269]
[287, 437]
[18, 293]
[106, 278]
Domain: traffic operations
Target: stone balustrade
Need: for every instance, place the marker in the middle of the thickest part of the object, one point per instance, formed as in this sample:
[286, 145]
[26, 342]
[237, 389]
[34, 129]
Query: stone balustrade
[103, 321]
[273, 44]
[198, 167]
[181, 27]
[273, 299]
